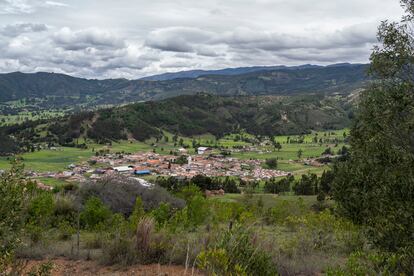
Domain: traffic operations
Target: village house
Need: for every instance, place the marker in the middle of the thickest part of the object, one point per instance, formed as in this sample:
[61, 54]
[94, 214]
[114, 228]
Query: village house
[203, 150]
[123, 169]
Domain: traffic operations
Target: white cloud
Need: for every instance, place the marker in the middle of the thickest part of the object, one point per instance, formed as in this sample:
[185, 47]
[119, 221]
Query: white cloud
[136, 38]
[77, 40]
[56, 4]
[26, 6]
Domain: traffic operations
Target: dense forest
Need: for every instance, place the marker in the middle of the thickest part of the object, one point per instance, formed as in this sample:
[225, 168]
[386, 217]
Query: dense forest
[192, 115]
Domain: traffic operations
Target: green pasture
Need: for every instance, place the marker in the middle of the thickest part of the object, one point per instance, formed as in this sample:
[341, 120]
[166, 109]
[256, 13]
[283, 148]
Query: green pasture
[29, 116]
[58, 160]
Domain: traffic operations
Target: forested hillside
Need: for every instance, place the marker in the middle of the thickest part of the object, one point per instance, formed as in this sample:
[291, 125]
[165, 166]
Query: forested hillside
[193, 115]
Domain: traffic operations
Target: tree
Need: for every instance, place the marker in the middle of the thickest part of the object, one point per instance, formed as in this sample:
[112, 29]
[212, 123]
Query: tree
[299, 153]
[326, 182]
[276, 144]
[271, 163]
[95, 213]
[307, 185]
[14, 193]
[375, 187]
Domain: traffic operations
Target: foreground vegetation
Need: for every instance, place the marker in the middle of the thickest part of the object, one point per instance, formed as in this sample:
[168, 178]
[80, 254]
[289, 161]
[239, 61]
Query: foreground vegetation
[116, 221]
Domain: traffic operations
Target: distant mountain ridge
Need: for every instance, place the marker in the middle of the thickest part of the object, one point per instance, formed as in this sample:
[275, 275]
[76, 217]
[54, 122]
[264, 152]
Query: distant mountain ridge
[190, 74]
[51, 90]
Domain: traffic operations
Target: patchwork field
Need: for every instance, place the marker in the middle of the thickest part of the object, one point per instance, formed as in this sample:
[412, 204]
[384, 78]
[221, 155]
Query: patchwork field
[59, 159]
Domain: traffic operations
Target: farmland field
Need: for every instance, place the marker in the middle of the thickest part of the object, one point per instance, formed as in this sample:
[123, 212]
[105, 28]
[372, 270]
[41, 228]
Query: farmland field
[59, 159]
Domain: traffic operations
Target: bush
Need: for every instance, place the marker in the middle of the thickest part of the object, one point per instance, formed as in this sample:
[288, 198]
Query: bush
[162, 214]
[145, 229]
[271, 163]
[41, 209]
[197, 210]
[230, 186]
[323, 231]
[65, 231]
[137, 214]
[236, 254]
[283, 209]
[70, 187]
[13, 196]
[376, 263]
[95, 213]
[118, 251]
[65, 210]
[119, 193]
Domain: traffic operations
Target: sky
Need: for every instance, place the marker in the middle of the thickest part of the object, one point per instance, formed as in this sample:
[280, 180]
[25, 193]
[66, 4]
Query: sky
[132, 39]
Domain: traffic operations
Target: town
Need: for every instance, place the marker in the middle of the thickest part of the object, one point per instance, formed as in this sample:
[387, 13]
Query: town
[184, 165]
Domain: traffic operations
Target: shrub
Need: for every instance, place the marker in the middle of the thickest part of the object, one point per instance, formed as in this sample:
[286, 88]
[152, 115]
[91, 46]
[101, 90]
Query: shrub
[376, 263]
[197, 210]
[283, 209]
[70, 187]
[144, 234]
[188, 192]
[271, 163]
[40, 209]
[65, 231]
[119, 193]
[137, 214]
[162, 214]
[94, 213]
[93, 241]
[323, 231]
[118, 251]
[236, 254]
[13, 195]
[230, 186]
[65, 210]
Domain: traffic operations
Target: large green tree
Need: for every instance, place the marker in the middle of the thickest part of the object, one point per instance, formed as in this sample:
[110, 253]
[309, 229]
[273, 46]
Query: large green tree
[14, 193]
[375, 187]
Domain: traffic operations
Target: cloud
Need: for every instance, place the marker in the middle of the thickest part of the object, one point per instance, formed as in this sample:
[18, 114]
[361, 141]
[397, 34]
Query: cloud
[26, 6]
[177, 39]
[56, 4]
[78, 40]
[15, 7]
[13, 30]
[137, 38]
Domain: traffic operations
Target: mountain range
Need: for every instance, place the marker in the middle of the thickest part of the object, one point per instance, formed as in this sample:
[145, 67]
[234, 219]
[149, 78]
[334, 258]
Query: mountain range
[190, 74]
[52, 91]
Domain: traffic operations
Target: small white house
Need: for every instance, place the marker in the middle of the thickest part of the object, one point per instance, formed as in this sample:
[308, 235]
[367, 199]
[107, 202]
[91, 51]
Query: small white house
[123, 169]
[203, 150]
[182, 150]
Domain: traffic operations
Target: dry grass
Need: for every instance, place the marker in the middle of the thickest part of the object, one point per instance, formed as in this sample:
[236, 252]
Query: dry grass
[145, 230]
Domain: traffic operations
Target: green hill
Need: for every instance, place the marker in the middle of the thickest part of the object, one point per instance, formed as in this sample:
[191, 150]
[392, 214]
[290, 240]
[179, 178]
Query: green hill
[193, 115]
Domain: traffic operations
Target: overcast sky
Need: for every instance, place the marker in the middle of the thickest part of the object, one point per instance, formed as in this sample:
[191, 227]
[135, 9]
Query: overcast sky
[135, 38]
